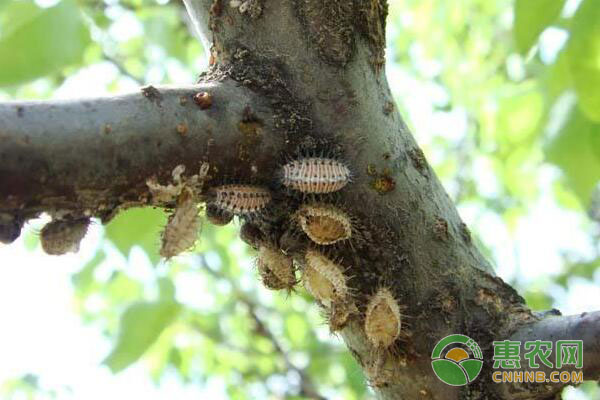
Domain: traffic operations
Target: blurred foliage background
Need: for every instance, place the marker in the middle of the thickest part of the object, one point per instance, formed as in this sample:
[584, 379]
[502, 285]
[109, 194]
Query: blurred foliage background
[504, 97]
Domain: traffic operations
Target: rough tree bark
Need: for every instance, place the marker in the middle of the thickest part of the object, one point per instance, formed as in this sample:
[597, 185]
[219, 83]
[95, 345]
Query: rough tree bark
[292, 77]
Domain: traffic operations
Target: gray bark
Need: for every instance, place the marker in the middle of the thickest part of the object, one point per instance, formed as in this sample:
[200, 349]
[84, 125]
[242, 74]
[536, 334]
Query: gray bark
[288, 78]
[92, 156]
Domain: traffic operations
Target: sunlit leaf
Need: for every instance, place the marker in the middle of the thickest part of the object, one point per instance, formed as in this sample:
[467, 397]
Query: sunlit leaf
[538, 299]
[296, 329]
[137, 226]
[531, 18]
[141, 324]
[584, 270]
[576, 150]
[583, 52]
[82, 279]
[43, 42]
[31, 240]
[162, 26]
[519, 116]
[16, 13]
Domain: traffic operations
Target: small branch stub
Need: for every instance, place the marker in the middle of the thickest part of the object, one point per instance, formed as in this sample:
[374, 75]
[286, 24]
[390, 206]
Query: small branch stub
[203, 99]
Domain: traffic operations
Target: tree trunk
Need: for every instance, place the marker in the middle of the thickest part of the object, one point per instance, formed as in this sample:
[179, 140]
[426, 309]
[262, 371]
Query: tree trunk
[290, 78]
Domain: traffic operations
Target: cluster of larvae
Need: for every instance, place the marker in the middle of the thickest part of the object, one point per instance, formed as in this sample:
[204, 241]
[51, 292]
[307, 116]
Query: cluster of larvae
[324, 224]
[323, 276]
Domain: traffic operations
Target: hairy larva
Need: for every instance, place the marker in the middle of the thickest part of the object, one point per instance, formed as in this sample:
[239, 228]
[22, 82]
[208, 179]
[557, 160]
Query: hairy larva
[315, 175]
[63, 236]
[275, 268]
[241, 199]
[324, 278]
[183, 226]
[382, 319]
[340, 312]
[323, 223]
[10, 231]
[251, 235]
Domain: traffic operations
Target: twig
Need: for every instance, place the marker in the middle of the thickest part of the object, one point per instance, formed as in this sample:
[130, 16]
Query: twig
[307, 388]
[121, 68]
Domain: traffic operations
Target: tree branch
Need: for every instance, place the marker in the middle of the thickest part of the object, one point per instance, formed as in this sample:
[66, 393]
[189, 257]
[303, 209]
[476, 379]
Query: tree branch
[584, 327]
[311, 72]
[89, 156]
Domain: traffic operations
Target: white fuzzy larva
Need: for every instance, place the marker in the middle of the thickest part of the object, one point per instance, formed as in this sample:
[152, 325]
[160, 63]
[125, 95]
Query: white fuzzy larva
[183, 226]
[316, 175]
[382, 319]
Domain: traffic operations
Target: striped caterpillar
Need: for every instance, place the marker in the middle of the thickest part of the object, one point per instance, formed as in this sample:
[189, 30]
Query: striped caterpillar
[315, 175]
[241, 199]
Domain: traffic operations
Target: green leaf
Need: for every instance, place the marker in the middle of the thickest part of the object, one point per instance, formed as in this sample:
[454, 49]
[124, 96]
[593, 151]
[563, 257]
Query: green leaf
[137, 226]
[31, 240]
[85, 277]
[296, 329]
[42, 42]
[162, 27]
[538, 299]
[166, 289]
[141, 324]
[16, 13]
[531, 18]
[576, 150]
[582, 269]
[583, 52]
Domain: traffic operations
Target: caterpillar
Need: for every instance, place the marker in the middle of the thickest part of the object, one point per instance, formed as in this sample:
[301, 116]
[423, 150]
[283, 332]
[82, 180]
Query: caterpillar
[241, 199]
[183, 226]
[63, 236]
[315, 175]
[323, 223]
[382, 319]
[275, 268]
[324, 278]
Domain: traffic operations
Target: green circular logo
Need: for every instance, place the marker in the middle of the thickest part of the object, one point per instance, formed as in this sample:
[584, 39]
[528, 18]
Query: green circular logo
[453, 364]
